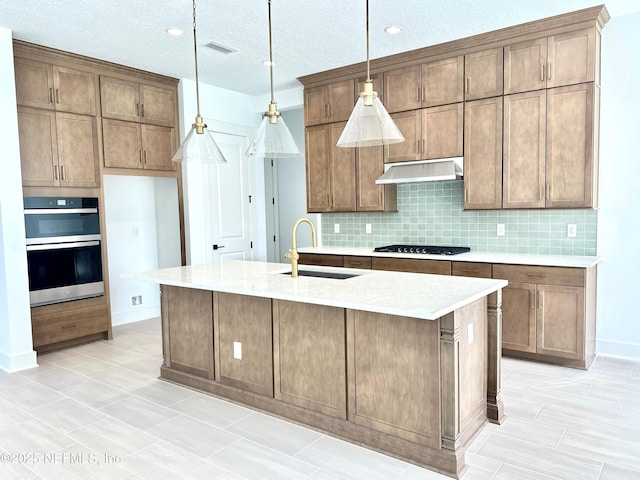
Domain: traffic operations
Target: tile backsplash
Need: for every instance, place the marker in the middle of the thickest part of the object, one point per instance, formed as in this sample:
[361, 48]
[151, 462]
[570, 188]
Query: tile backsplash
[431, 213]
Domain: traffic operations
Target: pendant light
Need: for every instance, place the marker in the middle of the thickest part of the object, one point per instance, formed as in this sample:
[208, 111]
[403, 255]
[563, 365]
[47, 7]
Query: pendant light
[199, 145]
[369, 124]
[272, 139]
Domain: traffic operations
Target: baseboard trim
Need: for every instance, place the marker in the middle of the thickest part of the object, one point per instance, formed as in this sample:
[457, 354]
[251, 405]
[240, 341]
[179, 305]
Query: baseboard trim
[134, 315]
[618, 349]
[16, 363]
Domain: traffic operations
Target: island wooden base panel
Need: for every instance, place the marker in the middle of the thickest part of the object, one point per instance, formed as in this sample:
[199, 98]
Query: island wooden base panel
[442, 461]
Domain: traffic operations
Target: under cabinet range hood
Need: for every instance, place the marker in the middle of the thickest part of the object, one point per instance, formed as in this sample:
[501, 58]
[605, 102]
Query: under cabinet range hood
[422, 171]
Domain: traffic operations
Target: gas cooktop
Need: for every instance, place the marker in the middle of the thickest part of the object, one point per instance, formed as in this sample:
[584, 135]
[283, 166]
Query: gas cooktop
[424, 249]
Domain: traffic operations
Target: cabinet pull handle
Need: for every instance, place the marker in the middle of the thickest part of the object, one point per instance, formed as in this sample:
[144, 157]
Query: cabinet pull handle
[57, 95]
[470, 270]
[540, 300]
[418, 146]
[465, 196]
[417, 94]
[542, 72]
[63, 176]
[55, 172]
[549, 71]
[532, 300]
[330, 112]
[69, 325]
[141, 157]
[536, 275]
[326, 110]
[422, 97]
[548, 191]
[466, 86]
[142, 109]
[137, 109]
[51, 95]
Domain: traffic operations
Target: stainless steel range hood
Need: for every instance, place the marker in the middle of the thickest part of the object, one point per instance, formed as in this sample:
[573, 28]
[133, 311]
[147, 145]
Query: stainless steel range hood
[422, 171]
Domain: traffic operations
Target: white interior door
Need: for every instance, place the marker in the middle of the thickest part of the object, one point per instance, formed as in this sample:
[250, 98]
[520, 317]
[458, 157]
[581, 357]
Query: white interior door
[229, 229]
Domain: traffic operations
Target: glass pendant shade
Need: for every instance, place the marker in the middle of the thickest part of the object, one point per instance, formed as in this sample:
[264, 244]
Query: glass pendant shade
[369, 124]
[199, 148]
[273, 140]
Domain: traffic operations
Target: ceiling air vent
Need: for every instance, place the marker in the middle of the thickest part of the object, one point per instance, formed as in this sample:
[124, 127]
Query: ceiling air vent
[220, 48]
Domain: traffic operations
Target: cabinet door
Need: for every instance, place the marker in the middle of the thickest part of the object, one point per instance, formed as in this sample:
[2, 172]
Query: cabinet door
[442, 82]
[483, 154]
[244, 331]
[78, 150]
[524, 66]
[34, 83]
[75, 90]
[572, 58]
[519, 317]
[483, 74]
[442, 129]
[318, 159]
[369, 196]
[119, 99]
[409, 124]
[571, 146]
[524, 150]
[187, 315]
[343, 173]
[560, 322]
[157, 105]
[122, 144]
[310, 357]
[158, 147]
[38, 147]
[402, 89]
[315, 105]
[341, 100]
[413, 265]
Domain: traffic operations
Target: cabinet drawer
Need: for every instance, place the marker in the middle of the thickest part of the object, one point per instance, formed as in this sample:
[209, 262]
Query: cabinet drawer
[56, 327]
[320, 259]
[353, 261]
[411, 265]
[541, 275]
[466, 269]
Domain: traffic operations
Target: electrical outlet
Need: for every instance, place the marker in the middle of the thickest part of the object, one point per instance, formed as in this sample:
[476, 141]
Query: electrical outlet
[136, 231]
[136, 300]
[572, 230]
[367, 228]
[500, 230]
[336, 228]
[237, 350]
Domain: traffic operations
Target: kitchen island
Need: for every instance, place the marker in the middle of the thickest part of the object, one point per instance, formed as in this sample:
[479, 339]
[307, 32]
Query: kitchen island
[405, 364]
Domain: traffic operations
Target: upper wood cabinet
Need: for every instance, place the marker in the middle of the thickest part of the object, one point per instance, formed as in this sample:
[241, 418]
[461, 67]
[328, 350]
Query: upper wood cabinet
[329, 103]
[483, 74]
[331, 170]
[426, 85]
[483, 154]
[58, 149]
[136, 145]
[550, 150]
[54, 87]
[558, 60]
[371, 197]
[429, 133]
[137, 102]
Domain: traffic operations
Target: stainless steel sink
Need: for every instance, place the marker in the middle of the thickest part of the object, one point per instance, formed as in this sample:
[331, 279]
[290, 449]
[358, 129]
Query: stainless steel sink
[320, 274]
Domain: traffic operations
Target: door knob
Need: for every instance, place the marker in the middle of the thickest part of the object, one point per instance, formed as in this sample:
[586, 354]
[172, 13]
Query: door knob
[216, 246]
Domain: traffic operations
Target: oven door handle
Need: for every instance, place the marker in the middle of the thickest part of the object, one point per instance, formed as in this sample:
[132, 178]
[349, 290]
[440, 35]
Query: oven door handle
[60, 246]
[58, 211]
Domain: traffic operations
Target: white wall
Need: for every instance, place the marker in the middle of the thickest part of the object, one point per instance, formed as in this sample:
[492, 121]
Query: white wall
[143, 233]
[16, 348]
[619, 215]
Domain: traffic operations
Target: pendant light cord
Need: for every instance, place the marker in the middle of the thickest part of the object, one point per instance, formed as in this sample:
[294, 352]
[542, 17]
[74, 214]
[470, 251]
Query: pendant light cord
[270, 54]
[367, 15]
[195, 55]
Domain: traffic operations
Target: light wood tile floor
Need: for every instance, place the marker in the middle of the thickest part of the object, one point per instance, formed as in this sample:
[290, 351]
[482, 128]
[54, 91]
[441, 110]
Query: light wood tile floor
[98, 411]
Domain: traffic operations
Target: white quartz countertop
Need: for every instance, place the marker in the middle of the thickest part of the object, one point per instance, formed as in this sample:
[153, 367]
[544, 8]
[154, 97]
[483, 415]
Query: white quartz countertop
[481, 257]
[397, 293]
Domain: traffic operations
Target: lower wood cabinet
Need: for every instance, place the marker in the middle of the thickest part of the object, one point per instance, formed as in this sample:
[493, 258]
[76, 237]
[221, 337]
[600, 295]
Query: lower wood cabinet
[187, 316]
[548, 313]
[439, 267]
[310, 357]
[321, 260]
[242, 327]
[65, 324]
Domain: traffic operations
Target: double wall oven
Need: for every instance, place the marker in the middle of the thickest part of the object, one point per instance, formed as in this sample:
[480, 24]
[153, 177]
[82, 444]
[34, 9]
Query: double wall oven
[63, 249]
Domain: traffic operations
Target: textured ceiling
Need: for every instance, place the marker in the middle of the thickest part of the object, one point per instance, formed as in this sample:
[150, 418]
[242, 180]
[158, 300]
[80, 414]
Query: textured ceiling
[308, 35]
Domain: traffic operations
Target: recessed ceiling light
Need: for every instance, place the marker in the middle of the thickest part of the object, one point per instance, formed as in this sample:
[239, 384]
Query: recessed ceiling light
[393, 30]
[174, 32]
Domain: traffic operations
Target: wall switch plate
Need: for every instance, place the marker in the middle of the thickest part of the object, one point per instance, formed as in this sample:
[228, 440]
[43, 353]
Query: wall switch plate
[336, 228]
[237, 350]
[572, 230]
[500, 230]
[368, 228]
